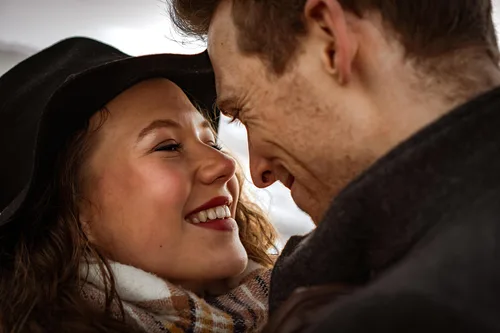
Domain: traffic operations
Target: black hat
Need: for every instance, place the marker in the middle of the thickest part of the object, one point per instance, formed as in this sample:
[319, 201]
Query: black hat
[45, 99]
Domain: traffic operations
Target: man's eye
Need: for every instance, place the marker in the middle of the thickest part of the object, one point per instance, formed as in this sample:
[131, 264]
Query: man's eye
[234, 115]
[172, 147]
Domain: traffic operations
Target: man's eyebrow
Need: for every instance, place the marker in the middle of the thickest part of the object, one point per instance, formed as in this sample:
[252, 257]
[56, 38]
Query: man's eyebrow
[157, 124]
[226, 103]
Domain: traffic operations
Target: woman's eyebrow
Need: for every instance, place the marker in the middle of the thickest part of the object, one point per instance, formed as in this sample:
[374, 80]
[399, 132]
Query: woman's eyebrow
[157, 124]
[205, 124]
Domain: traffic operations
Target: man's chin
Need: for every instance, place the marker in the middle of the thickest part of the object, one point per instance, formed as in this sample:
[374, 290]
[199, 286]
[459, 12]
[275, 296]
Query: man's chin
[307, 203]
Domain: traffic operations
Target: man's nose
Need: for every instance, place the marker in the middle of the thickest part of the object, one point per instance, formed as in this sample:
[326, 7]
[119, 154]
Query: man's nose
[261, 171]
[216, 167]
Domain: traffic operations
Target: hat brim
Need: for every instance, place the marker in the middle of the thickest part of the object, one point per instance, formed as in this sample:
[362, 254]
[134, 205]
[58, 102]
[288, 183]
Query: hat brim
[85, 93]
[90, 90]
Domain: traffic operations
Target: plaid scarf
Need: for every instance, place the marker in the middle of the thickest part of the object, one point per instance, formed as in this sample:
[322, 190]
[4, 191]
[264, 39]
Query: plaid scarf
[153, 305]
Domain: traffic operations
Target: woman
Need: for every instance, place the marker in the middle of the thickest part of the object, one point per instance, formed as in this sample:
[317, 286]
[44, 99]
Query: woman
[119, 211]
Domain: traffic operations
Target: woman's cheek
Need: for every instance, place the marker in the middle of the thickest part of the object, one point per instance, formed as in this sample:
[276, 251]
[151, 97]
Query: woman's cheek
[170, 186]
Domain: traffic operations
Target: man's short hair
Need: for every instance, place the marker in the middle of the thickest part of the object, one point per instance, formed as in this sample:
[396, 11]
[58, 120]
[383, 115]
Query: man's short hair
[427, 29]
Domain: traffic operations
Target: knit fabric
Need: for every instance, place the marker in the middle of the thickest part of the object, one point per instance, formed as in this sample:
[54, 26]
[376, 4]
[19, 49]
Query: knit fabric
[153, 305]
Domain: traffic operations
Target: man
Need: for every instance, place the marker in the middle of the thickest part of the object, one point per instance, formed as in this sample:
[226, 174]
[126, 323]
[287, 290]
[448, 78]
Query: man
[390, 109]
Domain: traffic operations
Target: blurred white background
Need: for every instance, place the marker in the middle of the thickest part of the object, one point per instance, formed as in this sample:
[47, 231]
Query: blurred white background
[136, 27]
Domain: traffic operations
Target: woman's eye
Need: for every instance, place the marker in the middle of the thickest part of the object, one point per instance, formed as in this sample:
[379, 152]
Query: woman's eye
[171, 147]
[214, 145]
[175, 147]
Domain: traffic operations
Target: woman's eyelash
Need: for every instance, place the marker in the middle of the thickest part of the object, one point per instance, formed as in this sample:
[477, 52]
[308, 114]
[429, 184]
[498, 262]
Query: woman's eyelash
[177, 146]
[216, 146]
[169, 147]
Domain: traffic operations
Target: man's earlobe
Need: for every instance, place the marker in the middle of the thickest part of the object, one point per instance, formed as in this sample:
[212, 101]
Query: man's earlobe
[339, 51]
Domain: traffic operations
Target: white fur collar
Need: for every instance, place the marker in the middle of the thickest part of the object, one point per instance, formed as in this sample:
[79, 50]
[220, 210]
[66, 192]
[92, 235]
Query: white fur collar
[132, 284]
[136, 285]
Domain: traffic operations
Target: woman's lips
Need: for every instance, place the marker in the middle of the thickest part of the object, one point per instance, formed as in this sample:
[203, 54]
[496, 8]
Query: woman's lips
[214, 202]
[214, 214]
[227, 224]
[220, 212]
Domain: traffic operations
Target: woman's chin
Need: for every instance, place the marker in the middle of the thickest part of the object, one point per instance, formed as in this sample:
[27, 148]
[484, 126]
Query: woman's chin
[239, 266]
[217, 278]
[230, 267]
[228, 262]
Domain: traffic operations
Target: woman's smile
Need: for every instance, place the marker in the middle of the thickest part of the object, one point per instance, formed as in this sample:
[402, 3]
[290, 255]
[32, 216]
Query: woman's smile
[214, 214]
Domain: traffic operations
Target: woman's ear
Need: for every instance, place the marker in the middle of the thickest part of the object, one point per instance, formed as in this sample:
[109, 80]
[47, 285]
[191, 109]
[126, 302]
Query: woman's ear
[87, 231]
[85, 217]
[328, 21]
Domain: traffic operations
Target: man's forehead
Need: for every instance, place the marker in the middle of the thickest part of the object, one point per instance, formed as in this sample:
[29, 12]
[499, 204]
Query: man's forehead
[227, 97]
[222, 47]
[222, 31]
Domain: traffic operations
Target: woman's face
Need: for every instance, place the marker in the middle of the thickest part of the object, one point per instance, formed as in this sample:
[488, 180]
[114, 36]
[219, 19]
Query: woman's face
[154, 174]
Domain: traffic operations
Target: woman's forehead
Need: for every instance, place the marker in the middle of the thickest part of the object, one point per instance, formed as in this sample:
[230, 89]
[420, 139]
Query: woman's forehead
[151, 94]
[138, 124]
[146, 106]
[155, 98]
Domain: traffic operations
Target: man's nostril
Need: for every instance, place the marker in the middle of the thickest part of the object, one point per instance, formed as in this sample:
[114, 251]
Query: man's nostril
[266, 175]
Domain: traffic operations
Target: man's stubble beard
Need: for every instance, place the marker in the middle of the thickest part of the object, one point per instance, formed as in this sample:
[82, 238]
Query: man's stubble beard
[342, 173]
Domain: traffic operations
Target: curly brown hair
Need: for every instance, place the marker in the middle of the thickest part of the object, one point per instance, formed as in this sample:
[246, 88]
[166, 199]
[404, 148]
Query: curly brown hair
[42, 249]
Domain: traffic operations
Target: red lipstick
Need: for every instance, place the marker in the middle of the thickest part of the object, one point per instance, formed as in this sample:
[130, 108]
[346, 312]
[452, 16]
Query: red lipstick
[215, 202]
[219, 224]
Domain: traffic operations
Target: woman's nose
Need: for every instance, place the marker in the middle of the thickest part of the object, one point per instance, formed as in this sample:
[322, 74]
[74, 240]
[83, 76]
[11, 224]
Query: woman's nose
[216, 167]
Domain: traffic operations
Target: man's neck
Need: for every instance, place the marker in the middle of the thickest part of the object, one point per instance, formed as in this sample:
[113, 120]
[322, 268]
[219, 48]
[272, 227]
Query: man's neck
[444, 176]
[422, 102]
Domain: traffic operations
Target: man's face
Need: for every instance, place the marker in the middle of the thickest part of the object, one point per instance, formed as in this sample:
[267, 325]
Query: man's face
[303, 128]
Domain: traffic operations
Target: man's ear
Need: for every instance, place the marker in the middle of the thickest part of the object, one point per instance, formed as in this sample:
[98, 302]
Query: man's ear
[328, 18]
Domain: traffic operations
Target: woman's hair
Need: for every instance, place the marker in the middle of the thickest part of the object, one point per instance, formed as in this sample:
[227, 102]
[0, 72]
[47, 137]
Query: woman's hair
[42, 249]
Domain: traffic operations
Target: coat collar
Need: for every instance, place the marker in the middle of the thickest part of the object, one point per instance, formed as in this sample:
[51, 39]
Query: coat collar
[386, 211]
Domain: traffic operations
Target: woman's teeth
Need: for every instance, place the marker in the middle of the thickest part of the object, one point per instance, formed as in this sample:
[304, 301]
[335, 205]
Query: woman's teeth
[220, 212]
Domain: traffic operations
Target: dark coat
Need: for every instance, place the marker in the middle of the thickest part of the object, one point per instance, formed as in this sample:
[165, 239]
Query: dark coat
[417, 236]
